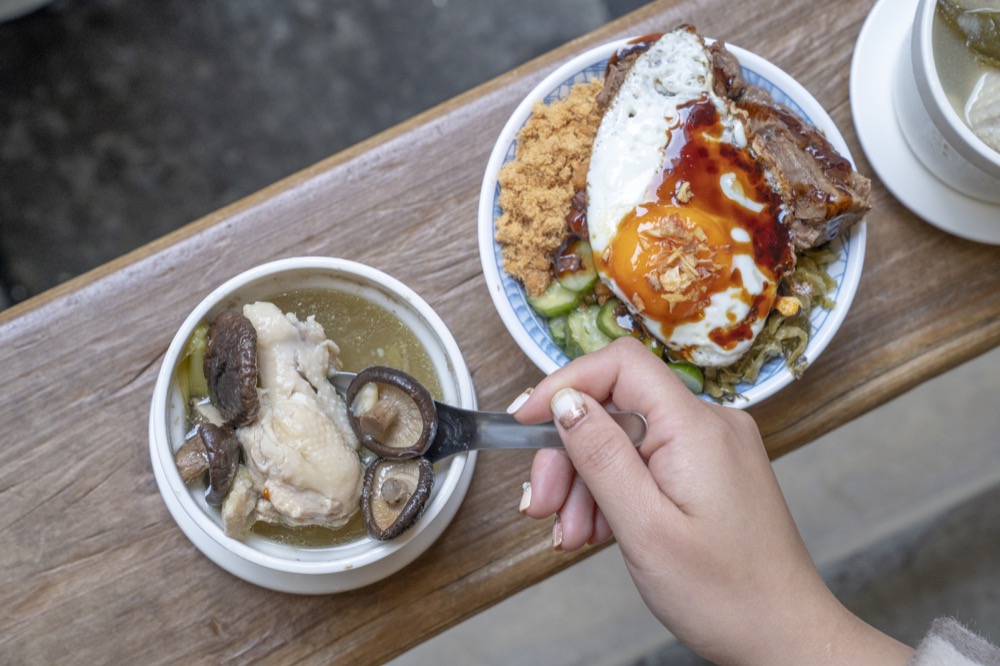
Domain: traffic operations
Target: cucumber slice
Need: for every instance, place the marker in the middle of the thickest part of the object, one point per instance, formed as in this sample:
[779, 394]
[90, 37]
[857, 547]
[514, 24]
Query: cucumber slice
[557, 328]
[610, 321]
[690, 374]
[554, 301]
[571, 348]
[583, 332]
[578, 272]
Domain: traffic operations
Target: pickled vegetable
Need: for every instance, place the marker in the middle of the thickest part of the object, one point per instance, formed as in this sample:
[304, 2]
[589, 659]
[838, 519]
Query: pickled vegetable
[191, 369]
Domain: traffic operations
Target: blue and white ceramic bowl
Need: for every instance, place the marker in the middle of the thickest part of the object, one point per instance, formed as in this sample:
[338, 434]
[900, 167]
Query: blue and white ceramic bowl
[530, 330]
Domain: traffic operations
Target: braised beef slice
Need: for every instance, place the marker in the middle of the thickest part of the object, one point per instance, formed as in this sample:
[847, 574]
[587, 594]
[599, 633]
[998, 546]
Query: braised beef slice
[729, 81]
[828, 196]
[618, 68]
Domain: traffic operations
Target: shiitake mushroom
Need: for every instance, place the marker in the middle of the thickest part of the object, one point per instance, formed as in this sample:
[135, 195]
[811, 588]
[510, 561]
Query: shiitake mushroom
[394, 494]
[392, 413]
[192, 459]
[231, 368]
[223, 451]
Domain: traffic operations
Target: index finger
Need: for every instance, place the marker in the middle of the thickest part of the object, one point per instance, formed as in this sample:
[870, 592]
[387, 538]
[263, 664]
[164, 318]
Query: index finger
[615, 475]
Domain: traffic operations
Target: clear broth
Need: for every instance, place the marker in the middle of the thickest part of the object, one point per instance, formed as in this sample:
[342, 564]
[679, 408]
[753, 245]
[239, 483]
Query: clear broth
[366, 333]
[958, 67]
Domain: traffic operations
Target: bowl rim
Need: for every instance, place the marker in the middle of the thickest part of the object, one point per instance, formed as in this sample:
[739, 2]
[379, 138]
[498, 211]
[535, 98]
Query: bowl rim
[353, 558]
[936, 102]
[815, 114]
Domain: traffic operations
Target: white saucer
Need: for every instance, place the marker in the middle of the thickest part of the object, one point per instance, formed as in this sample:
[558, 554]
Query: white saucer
[876, 54]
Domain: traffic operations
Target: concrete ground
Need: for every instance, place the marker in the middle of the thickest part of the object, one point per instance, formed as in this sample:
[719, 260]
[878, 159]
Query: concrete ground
[121, 120]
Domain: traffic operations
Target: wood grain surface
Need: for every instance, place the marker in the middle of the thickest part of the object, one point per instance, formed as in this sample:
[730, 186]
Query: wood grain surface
[93, 568]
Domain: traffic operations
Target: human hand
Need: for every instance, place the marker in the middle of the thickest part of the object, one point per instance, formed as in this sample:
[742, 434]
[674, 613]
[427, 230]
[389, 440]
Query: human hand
[697, 512]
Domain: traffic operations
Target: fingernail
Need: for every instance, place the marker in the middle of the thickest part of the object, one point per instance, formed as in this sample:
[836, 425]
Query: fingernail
[568, 408]
[518, 401]
[525, 497]
[557, 536]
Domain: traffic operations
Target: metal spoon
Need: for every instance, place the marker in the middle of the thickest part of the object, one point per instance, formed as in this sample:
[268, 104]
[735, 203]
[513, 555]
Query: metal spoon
[462, 430]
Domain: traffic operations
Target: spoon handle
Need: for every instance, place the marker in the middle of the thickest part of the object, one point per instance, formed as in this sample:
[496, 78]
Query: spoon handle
[461, 430]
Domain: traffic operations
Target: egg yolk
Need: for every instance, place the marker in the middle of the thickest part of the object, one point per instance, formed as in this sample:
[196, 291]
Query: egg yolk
[711, 204]
[670, 260]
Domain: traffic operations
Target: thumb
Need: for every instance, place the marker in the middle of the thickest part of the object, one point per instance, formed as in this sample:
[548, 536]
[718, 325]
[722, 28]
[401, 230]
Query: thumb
[606, 460]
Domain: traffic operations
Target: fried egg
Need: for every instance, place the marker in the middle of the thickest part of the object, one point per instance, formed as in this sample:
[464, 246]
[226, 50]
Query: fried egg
[684, 218]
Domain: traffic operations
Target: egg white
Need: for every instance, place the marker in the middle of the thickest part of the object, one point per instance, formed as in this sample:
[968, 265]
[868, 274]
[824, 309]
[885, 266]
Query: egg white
[626, 168]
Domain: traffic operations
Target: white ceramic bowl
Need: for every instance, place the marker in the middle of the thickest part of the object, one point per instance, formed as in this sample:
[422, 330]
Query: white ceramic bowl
[933, 130]
[530, 331]
[296, 569]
